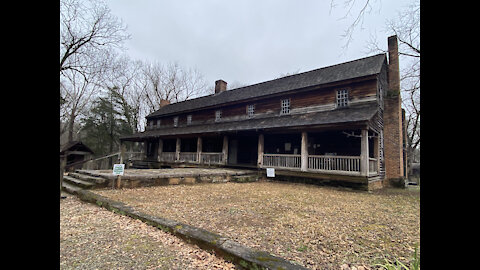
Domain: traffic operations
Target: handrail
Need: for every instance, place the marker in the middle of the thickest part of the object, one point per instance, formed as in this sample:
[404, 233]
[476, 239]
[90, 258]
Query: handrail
[92, 159]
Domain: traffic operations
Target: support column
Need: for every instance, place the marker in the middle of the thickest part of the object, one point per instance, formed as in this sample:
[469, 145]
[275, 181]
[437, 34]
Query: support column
[260, 150]
[376, 150]
[199, 149]
[177, 149]
[122, 153]
[160, 150]
[304, 151]
[225, 149]
[364, 153]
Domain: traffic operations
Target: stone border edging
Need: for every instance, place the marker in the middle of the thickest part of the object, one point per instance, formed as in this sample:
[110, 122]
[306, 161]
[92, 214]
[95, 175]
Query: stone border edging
[228, 249]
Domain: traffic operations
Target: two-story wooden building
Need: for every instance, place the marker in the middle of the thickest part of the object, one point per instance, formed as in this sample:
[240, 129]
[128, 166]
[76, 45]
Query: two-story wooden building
[338, 123]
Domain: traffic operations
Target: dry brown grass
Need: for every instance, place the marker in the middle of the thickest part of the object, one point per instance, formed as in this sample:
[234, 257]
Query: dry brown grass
[318, 227]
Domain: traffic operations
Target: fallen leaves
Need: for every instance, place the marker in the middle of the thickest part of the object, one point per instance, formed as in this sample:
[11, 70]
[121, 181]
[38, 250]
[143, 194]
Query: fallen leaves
[318, 227]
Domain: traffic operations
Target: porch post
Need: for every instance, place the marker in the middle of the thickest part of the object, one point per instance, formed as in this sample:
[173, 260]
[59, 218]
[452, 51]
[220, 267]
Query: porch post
[225, 149]
[364, 153]
[260, 150]
[199, 149]
[376, 151]
[145, 149]
[177, 149]
[304, 151]
[160, 150]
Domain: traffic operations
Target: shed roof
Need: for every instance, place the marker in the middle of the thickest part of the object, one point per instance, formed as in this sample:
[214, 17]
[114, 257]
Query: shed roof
[349, 70]
[75, 146]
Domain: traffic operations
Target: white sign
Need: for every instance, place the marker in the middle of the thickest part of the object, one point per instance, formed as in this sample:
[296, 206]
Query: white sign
[118, 169]
[270, 172]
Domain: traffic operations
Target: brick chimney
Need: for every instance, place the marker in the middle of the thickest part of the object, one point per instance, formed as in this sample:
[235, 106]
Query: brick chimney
[392, 118]
[164, 102]
[220, 86]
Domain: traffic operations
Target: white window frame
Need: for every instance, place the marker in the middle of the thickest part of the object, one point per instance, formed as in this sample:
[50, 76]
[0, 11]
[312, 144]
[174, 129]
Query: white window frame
[285, 106]
[189, 119]
[218, 115]
[250, 110]
[175, 121]
[341, 98]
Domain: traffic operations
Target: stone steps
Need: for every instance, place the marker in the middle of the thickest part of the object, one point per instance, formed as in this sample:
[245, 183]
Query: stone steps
[79, 180]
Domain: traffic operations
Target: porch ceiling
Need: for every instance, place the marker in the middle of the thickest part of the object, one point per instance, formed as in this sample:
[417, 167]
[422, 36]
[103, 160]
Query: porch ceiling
[340, 116]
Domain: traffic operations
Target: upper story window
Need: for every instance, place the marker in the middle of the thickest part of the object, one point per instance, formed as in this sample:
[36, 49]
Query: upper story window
[250, 110]
[150, 124]
[218, 115]
[285, 106]
[189, 119]
[158, 123]
[175, 121]
[342, 98]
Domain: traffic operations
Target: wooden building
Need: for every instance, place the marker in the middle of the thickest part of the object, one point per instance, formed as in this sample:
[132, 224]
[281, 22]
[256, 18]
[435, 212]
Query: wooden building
[75, 151]
[339, 123]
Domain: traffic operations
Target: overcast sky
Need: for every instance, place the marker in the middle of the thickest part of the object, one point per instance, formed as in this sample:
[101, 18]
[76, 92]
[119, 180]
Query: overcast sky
[249, 41]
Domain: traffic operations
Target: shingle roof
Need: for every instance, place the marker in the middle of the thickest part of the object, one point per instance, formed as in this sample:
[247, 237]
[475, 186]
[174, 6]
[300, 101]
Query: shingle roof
[344, 71]
[357, 113]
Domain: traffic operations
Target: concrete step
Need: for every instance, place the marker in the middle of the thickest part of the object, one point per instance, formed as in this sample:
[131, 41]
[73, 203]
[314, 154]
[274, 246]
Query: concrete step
[77, 182]
[70, 188]
[88, 178]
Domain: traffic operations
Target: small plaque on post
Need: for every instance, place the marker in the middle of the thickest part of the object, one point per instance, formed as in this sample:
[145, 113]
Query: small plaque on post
[118, 169]
[270, 172]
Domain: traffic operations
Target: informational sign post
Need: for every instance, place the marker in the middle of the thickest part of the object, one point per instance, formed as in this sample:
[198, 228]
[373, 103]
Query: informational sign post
[118, 169]
[270, 172]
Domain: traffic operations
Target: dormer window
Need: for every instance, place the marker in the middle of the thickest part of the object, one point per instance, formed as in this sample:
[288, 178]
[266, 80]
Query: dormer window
[175, 121]
[218, 115]
[250, 110]
[189, 119]
[342, 98]
[285, 106]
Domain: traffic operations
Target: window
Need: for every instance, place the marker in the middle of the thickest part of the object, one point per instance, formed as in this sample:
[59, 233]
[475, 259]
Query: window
[158, 123]
[175, 121]
[218, 115]
[189, 119]
[250, 110]
[150, 124]
[342, 98]
[285, 106]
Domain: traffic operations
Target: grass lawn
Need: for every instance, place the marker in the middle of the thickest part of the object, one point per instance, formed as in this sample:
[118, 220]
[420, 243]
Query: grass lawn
[318, 227]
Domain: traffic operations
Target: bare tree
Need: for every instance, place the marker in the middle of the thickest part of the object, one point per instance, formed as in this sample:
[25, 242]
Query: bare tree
[78, 93]
[89, 33]
[407, 29]
[170, 82]
[87, 28]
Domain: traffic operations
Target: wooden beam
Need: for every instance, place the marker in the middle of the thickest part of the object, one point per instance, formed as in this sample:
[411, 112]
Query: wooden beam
[225, 149]
[304, 152]
[261, 148]
[364, 153]
[199, 149]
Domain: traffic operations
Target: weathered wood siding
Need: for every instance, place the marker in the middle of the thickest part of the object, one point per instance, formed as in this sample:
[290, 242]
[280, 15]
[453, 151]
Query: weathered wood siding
[303, 102]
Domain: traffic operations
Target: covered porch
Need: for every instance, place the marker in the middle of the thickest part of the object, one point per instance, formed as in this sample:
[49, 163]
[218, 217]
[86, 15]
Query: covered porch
[353, 152]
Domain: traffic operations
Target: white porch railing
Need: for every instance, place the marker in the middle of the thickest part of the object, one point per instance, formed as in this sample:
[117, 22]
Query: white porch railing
[211, 158]
[282, 161]
[168, 156]
[372, 165]
[187, 157]
[349, 164]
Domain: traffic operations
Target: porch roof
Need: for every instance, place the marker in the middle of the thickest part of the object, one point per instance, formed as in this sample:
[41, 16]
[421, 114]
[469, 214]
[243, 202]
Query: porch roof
[352, 114]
